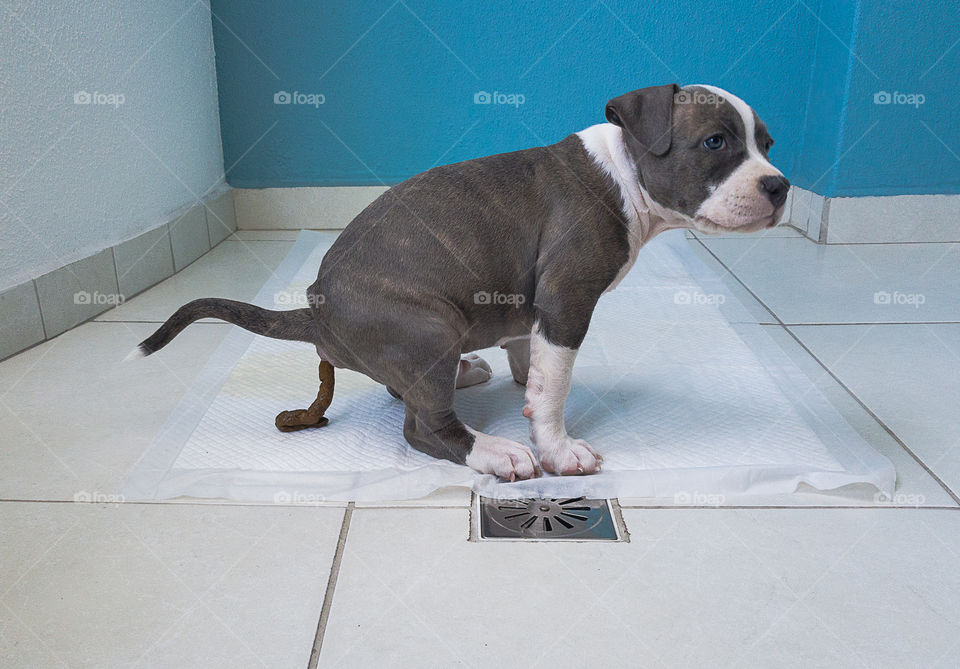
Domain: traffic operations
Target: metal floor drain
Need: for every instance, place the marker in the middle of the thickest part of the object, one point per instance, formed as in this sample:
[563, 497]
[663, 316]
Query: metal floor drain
[552, 518]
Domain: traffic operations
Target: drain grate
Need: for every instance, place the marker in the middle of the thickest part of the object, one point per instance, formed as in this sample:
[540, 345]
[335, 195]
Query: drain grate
[552, 518]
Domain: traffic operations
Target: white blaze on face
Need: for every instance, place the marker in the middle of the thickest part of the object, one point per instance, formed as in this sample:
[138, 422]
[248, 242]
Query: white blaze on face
[738, 201]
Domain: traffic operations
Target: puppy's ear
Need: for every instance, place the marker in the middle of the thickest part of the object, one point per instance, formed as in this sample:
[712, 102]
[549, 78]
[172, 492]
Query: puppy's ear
[646, 115]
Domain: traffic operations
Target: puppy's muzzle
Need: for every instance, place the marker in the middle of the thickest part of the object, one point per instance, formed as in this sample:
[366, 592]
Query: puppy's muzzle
[776, 187]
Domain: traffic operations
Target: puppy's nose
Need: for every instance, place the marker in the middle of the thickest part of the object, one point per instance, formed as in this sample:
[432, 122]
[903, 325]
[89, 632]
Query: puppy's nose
[776, 188]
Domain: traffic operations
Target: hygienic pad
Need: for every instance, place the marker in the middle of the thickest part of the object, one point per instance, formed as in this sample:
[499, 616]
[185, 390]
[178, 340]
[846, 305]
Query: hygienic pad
[675, 385]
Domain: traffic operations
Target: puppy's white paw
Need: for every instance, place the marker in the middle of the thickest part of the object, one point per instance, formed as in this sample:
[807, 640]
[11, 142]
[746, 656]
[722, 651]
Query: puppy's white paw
[510, 460]
[473, 370]
[569, 456]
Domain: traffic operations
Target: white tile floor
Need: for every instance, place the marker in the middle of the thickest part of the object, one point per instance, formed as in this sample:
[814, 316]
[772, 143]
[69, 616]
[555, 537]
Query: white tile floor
[797, 580]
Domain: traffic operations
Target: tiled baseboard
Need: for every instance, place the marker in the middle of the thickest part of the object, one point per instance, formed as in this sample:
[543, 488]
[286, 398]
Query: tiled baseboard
[320, 207]
[884, 219]
[51, 304]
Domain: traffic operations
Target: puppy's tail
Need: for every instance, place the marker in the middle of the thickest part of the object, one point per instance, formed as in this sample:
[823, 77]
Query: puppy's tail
[293, 325]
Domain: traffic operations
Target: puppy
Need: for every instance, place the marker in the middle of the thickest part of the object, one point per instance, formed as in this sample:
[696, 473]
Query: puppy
[515, 250]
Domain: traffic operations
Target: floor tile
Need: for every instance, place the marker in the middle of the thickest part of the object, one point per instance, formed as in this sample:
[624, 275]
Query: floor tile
[782, 230]
[265, 235]
[449, 496]
[909, 375]
[163, 585]
[754, 588]
[74, 418]
[915, 487]
[189, 237]
[20, 322]
[79, 291]
[221, 218]
[755, 309]
[804, 282]
[234, 269]
[143, 261]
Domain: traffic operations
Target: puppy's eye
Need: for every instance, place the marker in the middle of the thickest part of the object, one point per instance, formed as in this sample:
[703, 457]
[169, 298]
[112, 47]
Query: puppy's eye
[714, 142]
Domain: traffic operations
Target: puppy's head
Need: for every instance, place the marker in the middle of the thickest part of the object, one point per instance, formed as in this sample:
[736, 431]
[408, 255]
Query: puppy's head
[702, 153]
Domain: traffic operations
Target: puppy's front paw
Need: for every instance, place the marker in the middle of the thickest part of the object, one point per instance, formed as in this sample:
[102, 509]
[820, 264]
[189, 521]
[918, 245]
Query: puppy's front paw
[510, 460]
[569, 456]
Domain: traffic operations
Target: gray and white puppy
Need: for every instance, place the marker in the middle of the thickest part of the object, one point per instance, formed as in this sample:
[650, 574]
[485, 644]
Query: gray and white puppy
[401, 296]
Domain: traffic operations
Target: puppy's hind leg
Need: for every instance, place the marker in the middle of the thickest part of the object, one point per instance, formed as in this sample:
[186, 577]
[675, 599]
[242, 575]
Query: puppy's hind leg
[298, 419]
[518, 354]
[472, 370]
[432, 426]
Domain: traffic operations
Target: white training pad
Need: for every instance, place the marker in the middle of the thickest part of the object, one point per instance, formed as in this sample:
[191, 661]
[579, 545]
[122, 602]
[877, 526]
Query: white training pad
[674, 386]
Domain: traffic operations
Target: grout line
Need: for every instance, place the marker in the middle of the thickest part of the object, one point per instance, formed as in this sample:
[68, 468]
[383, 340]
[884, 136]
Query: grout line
[617, 512]
[618, 504]
[173, 256]
[614, 501]
[880, 422]
[206, 224]
[822, 235]
[43, 325]
[806, 237]
[850, 392]
[947, 241]
[730, 272]
[200, 322]
[116, 270]
[473, 518]
[167, 502]
[376, 506]
[803, 325]
[331, 588]
[790, 506]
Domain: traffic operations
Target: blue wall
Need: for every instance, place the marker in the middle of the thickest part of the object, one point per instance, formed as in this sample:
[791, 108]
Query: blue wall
[399, 79]
[854, 146]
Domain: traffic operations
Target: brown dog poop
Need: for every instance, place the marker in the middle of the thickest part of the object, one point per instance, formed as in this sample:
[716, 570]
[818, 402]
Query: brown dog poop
[298, 419]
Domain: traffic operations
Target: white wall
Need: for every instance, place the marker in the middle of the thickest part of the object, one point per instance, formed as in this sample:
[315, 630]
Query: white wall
[77, 178]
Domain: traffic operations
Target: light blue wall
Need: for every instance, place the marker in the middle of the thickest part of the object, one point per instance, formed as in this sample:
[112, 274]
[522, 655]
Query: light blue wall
[853, 146]
[401, 99]
[399, 80]
[77, 178]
